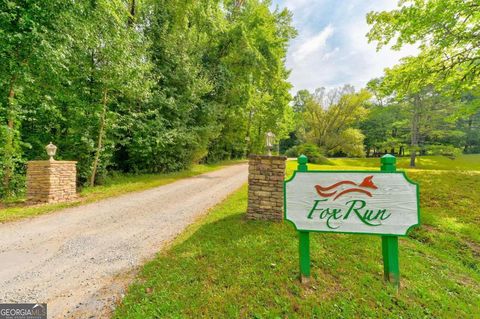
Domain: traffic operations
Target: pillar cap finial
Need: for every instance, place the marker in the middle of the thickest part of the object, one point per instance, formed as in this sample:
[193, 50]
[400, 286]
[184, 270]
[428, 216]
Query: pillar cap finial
[302, 159]
[51, 150]
[388, 159]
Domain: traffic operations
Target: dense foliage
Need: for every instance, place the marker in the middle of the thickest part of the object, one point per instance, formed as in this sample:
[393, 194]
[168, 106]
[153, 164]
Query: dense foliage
[139, 86]
[443, 79]
[447, 34]
[327, 119]
[311, 151]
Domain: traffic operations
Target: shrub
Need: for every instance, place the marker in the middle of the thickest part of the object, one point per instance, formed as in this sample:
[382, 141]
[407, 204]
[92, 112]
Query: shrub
[292, 151]
[311, 151]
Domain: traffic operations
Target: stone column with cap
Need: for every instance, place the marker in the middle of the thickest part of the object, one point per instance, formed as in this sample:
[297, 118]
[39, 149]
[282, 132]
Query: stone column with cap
[51, 181]
[265, 187]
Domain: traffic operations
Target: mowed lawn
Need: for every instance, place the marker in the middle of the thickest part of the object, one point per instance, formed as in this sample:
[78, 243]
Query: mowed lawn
[227, 267]
[464, 162]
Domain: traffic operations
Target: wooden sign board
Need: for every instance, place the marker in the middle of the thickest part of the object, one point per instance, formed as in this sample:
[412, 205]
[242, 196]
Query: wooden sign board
[366, 202]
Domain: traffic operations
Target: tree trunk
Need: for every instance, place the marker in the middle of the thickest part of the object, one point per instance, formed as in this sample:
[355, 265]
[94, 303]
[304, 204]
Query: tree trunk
[414, 133]
[101, 132]
[131, 18]
[8, 166]
[239, 3]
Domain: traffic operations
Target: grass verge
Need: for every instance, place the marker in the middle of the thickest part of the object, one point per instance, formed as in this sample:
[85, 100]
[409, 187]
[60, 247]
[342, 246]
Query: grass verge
[462, 162]
[226, 267]
[113, 186]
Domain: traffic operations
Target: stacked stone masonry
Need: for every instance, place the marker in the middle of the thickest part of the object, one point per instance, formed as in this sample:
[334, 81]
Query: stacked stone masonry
[265, 187]
[51, 181]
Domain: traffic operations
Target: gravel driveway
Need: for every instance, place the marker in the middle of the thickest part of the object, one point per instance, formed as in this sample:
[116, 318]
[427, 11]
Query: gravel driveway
[80, 259]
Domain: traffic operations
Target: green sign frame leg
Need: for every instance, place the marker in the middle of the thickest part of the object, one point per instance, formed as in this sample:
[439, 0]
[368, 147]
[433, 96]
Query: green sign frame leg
[304, 237]
[391, 267]
[304, 251]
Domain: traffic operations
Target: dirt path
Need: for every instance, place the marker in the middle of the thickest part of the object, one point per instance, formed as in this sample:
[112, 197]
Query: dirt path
[78, 260]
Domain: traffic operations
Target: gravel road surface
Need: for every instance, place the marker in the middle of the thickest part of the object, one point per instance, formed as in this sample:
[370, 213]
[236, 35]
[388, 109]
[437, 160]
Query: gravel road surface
[79, 260]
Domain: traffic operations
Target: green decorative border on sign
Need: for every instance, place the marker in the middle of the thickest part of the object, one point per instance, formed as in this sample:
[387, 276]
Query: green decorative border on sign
[349, 171]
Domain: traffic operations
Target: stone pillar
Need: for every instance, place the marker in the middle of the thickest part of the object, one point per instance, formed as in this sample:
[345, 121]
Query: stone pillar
[51, 181]
[265, 187]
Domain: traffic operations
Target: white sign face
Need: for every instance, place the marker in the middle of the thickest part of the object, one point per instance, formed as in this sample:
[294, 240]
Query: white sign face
[352, 202]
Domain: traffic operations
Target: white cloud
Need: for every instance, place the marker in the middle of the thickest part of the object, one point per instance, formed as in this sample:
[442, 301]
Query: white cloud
[338, 53]
[294, 4]
[366, 62]
[313, 44]
[329, 54]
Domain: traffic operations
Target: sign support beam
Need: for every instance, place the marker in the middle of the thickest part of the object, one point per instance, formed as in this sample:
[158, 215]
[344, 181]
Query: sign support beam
[304, 249]
[304, 236]
[391, 268]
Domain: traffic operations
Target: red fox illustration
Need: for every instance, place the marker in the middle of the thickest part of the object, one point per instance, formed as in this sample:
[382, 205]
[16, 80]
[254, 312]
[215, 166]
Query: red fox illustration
[366, 183]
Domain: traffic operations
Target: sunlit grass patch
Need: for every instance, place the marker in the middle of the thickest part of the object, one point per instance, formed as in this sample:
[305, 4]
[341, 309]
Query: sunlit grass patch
[462, 162]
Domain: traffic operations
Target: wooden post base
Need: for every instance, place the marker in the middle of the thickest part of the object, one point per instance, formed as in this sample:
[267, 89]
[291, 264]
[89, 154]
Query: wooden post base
[304, 279]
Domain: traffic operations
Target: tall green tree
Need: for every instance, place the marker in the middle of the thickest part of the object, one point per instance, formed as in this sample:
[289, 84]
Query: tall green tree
[174, 127]
[252, 81]
[414, 115]
[330, 119]
[30, 51]
[447, 34]
[139, 85]
[385, 129]
[106, 74]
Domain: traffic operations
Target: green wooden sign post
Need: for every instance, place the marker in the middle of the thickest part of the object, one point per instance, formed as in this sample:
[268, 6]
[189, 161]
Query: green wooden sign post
[391, 268]
[339, 208]
[304, 236]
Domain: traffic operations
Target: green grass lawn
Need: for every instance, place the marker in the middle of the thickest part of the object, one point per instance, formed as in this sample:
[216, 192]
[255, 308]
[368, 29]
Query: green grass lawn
[113, 186]
[462, 162]
[224, 266]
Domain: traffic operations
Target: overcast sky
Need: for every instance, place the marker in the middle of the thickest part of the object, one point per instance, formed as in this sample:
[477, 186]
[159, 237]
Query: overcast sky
[331, 48]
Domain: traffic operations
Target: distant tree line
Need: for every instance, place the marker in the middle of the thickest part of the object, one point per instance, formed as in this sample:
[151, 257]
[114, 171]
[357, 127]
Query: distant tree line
[342, 122]
[139, 85]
